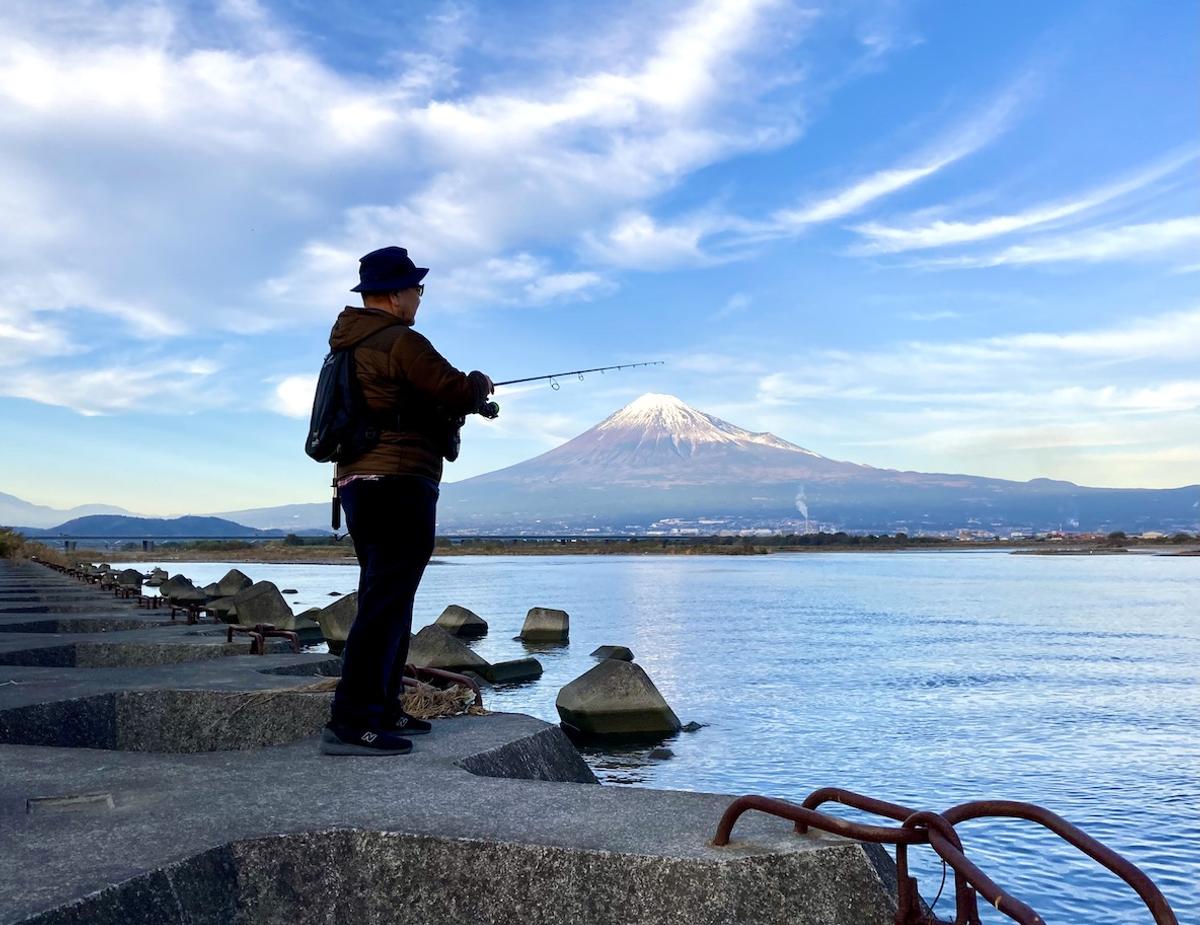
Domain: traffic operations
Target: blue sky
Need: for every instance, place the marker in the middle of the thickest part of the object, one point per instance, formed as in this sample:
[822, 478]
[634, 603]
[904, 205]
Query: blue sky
[948, 236]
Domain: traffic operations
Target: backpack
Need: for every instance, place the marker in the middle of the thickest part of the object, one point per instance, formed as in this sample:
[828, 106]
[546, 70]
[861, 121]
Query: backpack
[341, 429]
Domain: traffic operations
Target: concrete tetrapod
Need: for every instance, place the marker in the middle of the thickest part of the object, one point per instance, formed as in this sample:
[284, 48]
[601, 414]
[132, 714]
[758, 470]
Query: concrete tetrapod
[224, 608]
[179, 589]
[615, 698]
[545, 624]
[129, 578]
[462, 622]
[621, 652]
[519, 669]
[232, 583]
[336, 620]
[262, 603]
[433, 647]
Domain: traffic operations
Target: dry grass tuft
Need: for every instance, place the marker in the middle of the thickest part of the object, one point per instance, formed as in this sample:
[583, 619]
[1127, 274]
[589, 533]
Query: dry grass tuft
[424, 702]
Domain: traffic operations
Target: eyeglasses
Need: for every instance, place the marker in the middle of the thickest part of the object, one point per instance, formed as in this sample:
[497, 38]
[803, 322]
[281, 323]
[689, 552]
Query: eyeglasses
[420, 287]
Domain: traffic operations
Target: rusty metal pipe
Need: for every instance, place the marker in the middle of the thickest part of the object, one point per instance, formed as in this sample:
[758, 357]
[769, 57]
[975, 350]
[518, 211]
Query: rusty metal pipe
[803, 816]
[1096, 850]
[944, 840]
[857, 801]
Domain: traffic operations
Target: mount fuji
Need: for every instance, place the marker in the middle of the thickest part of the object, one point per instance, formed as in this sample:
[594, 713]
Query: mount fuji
[659, 462]
[659, 465]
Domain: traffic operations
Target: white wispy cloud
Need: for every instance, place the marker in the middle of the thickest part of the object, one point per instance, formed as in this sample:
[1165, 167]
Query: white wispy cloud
[141, 115]
[1027, 404]
[24, 337]
[1171, 335]
[887, 239]
[925, 366]
[638, 239]
[160, 385]
[943, 314]
[961, 142]
[1162, 239]
[734, 305]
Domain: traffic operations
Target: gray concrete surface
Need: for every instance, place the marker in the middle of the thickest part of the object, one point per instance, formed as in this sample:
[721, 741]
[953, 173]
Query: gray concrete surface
[184, 815]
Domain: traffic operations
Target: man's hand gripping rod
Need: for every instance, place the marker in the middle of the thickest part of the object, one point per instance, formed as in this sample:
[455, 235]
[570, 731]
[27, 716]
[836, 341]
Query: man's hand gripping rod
[492, 410]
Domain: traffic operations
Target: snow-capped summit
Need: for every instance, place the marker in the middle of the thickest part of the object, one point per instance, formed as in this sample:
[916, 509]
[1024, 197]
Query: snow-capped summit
[660, 440]
[654, 416]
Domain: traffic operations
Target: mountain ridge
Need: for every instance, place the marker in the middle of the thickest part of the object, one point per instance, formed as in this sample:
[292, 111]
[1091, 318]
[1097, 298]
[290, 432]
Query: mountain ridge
[14, 510]
[110, 525]
[659, 464]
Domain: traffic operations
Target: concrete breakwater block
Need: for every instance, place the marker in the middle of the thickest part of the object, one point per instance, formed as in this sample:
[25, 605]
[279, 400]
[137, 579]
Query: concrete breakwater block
[336, 619]
[178, 589]
[116, 654]
[358, 875]
[617, 652]
[547, 755]
[545, 624]
[462, 622]
[232, 583]
[129, 578]
[433, 647]
[615, 698]
[224, 608]
[168, 721]
[262, 603]
[520, 669]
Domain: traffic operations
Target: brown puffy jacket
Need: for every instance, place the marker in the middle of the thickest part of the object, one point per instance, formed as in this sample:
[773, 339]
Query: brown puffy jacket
[398, 368]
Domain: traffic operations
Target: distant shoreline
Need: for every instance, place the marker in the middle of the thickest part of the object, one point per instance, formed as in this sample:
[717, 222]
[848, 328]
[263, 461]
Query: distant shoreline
[342, 554]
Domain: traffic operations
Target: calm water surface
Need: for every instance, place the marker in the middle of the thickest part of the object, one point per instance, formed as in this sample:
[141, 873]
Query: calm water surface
[926, 679]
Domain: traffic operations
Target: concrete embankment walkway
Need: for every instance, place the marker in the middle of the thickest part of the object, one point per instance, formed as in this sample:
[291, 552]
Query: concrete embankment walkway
[157, 773]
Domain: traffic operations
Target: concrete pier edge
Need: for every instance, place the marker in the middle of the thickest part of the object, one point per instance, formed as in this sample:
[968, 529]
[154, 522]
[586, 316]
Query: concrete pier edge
[208, 801]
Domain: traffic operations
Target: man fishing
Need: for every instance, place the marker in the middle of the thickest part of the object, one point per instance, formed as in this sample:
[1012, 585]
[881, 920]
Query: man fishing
[390, 495]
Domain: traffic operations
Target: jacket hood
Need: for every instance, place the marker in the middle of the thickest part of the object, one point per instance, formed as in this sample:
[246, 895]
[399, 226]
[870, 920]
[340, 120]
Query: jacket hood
[355, 325]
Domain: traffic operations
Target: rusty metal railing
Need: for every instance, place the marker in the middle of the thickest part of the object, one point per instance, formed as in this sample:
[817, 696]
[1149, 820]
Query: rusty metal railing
[259, 634]
[937, 830]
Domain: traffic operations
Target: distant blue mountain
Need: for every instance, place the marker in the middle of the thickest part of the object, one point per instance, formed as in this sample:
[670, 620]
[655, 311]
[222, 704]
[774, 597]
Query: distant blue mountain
[110, 525]
[15, 511]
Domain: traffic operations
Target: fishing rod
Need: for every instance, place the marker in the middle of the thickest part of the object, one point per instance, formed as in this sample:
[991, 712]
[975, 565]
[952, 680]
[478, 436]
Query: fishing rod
[491, 410]
[576, 372]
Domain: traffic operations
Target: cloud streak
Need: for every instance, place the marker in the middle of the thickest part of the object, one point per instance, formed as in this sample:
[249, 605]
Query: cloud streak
[1148, 240]
[960, 143]
[890, 239]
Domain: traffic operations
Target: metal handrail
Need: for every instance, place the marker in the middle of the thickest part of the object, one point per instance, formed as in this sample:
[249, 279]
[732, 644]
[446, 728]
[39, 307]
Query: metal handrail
[1133, 875]
[804, 817]
[937, 830]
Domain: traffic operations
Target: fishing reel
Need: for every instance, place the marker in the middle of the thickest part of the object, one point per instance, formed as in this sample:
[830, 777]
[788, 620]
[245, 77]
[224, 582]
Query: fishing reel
[490, 410]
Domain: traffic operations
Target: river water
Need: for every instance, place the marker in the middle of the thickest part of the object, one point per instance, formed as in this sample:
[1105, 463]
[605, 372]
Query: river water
[927, 679]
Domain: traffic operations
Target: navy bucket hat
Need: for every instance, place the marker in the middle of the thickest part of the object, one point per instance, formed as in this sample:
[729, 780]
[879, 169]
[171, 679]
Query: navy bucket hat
[387, 270]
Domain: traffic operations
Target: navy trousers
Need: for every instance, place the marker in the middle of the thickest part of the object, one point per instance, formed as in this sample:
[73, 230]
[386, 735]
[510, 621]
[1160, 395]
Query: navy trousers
[391, 521]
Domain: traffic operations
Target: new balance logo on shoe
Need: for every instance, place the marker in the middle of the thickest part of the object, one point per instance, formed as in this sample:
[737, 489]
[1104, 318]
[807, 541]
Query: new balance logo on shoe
[408, 725]
[341, 739]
